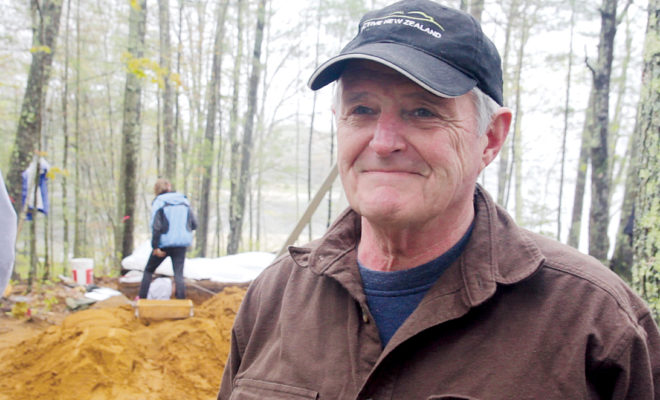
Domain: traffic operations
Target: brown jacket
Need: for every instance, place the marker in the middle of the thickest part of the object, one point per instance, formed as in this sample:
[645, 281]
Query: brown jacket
[517, 316]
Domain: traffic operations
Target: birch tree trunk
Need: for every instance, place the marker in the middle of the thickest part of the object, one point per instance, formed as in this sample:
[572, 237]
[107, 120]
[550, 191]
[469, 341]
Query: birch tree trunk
[646, 269]
[236, 221]
[131, 127]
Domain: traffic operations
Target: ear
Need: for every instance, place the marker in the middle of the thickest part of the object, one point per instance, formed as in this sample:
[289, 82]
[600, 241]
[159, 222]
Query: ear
[496, 134]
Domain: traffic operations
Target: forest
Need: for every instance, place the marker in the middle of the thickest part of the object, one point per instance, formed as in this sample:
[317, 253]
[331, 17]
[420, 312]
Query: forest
[106, 97]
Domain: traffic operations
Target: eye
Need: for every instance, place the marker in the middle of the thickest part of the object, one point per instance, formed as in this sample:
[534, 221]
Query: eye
[422, 113]
[363, 110]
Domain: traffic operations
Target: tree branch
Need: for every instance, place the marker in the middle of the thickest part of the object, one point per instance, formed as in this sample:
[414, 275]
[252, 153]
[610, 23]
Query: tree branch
[623, 13]
[586, 62]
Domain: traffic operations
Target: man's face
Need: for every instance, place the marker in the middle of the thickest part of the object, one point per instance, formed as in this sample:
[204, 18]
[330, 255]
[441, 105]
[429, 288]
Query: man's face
[406, 156]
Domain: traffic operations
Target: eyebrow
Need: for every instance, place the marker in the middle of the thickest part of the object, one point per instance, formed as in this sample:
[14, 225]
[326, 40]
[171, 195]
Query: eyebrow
[426, 96]
[356, 96]
[352, 97]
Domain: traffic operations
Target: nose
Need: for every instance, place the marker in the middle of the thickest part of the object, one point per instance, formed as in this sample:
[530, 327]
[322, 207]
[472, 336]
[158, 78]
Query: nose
[387, 137]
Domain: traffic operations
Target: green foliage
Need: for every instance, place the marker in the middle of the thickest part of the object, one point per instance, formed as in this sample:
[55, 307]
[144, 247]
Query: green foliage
[49, 302]
[146, 68]
[41, 49]
[20, 309]
[136, 5]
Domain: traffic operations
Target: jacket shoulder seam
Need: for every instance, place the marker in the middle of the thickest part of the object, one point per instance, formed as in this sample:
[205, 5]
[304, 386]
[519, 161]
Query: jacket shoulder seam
[596, 281]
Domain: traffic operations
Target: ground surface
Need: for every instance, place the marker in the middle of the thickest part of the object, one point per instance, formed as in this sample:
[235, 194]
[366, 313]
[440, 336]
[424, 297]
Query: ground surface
[47, 305]
[48, 350]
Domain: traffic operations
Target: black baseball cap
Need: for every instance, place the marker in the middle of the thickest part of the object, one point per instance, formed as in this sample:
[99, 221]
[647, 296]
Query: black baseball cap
[441, 49]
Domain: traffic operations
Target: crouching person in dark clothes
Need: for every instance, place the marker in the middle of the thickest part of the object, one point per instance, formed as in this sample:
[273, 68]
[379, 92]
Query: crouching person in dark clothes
[425, 288]
[172, 224]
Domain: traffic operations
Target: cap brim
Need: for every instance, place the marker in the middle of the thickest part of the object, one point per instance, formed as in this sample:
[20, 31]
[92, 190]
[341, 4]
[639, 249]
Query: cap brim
[427, 71]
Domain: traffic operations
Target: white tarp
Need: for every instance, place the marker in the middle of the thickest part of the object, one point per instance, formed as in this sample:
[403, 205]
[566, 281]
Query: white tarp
[7, 238]
[236, 268]
[102, 293]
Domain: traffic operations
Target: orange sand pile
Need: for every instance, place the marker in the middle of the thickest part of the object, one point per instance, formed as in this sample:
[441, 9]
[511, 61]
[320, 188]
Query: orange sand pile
[109, 354]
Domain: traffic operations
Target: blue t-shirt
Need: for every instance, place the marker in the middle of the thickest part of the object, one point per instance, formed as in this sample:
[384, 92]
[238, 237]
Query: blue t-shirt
[393, 296]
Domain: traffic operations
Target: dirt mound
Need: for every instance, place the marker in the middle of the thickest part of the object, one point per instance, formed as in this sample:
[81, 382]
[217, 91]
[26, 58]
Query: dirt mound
[106, 353]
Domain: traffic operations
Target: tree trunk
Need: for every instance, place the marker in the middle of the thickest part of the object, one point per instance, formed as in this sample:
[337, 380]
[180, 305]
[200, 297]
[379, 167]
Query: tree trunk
[622, 258]
[79, 238]
[505, 154]
[600, 186]
[646, 269]
[131, 127]
[581, 179]
[517, 130]
[476, 9]
[464, 5]
[46, 22]
[218, 223]
[617, 165]
[566, 119]
[65, 147]
[311, 122]
[169, 155]
[209, 133]
[34, 259]
[263, 134]
[234, 162]
[246, 147]
[177, 111]
[47, 261]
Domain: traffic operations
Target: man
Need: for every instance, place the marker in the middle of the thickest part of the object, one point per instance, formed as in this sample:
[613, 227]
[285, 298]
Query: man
[172, 222]
[424, 288]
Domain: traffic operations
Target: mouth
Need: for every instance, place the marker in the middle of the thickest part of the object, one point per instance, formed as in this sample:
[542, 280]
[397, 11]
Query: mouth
[391, 172]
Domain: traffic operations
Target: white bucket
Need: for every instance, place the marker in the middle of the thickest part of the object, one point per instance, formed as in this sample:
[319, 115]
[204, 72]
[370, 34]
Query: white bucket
[83, 270]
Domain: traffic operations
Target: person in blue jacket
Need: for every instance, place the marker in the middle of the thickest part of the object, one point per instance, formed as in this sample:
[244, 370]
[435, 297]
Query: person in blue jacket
[172, 222]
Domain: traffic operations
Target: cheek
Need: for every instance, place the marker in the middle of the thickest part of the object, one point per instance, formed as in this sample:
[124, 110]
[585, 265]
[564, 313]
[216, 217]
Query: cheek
[346, 155]
[350, 143]
[466, 153]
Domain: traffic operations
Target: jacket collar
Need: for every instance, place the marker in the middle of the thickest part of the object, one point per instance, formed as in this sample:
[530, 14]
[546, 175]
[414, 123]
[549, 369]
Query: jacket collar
[498, 252]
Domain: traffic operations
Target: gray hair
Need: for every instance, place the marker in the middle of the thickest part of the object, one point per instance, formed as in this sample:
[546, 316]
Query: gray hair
[484, 105]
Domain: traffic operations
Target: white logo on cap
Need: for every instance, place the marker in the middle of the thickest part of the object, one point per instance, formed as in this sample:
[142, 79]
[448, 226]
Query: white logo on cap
[409, 19]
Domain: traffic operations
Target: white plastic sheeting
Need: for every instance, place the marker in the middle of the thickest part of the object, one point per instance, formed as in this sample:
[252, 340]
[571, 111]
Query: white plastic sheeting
[242, 267]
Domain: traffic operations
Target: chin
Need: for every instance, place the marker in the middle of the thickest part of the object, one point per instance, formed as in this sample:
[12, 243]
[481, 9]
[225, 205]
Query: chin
[383, 203]
[382, 213]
